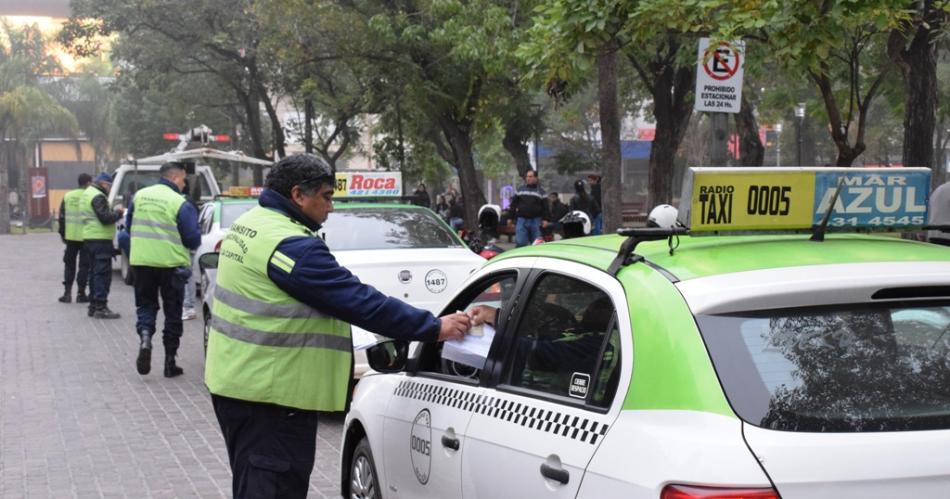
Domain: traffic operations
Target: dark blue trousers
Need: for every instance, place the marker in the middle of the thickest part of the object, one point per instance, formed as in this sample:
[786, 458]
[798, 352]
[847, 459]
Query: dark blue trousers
[271, 448]
[150, 284]
[100, 253]
[74, 249]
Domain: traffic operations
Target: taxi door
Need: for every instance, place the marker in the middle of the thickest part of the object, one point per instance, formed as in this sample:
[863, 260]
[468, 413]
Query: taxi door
[424, 429]
[553, 400]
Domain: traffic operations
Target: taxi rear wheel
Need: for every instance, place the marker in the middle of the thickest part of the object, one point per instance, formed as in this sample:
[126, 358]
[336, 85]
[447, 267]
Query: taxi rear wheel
[364, 483]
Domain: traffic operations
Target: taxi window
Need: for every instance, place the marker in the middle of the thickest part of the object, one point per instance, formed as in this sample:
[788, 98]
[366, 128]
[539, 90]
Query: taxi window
[853, 368]
[492, 295]
[386, 228]
[231, 211]
[567, 342]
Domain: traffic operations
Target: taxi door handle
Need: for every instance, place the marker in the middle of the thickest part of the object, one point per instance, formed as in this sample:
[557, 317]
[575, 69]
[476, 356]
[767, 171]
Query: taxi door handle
[556, 474]
[452, 443]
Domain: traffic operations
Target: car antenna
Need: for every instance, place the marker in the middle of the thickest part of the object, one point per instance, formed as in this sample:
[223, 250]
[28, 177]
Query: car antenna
[818, 231]
[626, 256]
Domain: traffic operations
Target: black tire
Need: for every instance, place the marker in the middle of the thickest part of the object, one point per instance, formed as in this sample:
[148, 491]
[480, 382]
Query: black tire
[364, 481]
[125, 270]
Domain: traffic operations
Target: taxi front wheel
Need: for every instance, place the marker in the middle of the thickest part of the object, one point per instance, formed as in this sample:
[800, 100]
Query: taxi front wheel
[364, 483]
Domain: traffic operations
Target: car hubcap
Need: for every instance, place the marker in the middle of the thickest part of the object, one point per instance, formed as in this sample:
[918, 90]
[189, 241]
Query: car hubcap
[362, 485]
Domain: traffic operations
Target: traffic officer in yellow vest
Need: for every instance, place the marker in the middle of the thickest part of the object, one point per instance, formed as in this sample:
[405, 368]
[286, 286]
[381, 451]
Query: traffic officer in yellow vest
[70, 231]
[279, 348]
[163, 230]
[98, 230]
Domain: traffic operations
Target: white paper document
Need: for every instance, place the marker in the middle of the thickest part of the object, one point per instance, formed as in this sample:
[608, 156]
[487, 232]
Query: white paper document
[473, 349]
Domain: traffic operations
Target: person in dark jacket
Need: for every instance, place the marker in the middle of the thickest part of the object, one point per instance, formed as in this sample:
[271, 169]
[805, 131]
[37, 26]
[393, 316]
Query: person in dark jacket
[582, 201]
[70, 231]
[421, 196]
[556, 211]
[98, 230]
[529, 209]
[163, 234]
[598, 220]
[456, 214]
[279, 346]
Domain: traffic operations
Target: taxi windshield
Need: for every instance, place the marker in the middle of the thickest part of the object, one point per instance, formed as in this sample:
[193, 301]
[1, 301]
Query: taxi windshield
[231, 211]
[386, 228]
[854, 368]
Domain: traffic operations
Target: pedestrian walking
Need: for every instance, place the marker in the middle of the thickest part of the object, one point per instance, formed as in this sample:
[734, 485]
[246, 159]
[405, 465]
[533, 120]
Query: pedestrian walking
[98, 231]
[420, 197]
[70, 231]
[582, 201]
[163, 230]
[529, 209]
[279, 348]
[598, 218]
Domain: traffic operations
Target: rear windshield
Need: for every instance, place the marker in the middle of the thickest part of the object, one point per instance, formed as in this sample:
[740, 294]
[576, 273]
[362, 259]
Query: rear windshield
[854, 368]
[386, 228]
[230, 211]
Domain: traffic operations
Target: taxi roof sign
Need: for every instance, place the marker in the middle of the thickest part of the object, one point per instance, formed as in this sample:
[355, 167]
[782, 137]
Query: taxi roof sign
[716, 199]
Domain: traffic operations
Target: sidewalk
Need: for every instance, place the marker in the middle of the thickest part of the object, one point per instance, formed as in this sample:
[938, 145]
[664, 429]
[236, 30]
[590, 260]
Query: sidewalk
[76, 420]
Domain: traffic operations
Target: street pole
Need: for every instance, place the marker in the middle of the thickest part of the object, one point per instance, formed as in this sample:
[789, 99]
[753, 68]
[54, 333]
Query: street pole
[799, 123]
[719, 145]
[778, 144]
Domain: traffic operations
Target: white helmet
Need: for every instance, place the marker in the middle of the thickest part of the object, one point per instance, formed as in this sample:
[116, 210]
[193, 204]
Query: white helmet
[663, 216]
[578, 216]
[493, 207]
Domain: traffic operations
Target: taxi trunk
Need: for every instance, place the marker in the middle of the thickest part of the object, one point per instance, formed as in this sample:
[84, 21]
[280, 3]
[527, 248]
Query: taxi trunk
[883, 465]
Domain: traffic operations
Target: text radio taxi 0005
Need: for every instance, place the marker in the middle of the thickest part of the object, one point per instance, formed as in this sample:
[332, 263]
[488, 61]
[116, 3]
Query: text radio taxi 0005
[749, 199]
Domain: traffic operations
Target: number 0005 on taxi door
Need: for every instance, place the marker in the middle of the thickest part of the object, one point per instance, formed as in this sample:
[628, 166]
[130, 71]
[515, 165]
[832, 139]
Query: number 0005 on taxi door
[685, 362]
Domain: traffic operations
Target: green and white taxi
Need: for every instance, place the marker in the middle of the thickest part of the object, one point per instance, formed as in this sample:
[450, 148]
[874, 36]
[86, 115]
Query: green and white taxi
[686, 362]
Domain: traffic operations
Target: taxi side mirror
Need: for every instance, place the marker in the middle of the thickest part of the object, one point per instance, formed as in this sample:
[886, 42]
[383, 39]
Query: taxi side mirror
[388, 356]
[208, 261]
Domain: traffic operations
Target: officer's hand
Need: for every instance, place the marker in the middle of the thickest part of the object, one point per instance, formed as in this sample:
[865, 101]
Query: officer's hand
[454, 326]
[483, 314]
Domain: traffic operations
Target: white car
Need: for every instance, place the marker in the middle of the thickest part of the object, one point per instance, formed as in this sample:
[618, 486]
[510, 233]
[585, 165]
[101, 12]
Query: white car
[404, 251]
[214, 219]
[662, 363]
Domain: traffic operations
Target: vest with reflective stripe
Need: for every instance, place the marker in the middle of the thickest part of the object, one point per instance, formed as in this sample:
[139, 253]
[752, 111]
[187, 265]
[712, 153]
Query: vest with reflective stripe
[73, 220]
[92, 228]
[155, 240]
[264, 345]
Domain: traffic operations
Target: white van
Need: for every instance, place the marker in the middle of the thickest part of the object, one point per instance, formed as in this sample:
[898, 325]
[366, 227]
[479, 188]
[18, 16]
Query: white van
[129, 178]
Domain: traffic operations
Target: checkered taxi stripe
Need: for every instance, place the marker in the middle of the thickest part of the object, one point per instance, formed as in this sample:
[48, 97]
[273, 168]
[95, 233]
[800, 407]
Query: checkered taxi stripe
[556, 423]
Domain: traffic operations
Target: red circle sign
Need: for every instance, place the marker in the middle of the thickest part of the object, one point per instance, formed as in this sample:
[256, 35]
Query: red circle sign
[716, 61]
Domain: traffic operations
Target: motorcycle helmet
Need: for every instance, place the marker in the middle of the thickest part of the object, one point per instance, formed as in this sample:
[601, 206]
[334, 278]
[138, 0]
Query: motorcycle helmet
[576, 224]
[663, 216]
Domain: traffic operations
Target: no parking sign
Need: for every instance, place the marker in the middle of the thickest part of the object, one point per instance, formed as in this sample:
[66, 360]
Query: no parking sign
[719, 76]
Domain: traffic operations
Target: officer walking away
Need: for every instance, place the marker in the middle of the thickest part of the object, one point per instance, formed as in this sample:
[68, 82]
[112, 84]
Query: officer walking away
[279, 348]
[163, 230]
[98, 230]
[529, 208]
[70, 231]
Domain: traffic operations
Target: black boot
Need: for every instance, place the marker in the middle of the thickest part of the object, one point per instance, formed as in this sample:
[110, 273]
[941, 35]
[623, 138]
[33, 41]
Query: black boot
[103, 312]
[93, 306]
[81, 297]
[67, 296]
[143, 364]
[172, 369]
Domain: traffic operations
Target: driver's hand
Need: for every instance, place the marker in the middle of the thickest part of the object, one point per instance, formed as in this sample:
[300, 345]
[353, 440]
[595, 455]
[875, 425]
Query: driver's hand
[454, 326]
[483, 314]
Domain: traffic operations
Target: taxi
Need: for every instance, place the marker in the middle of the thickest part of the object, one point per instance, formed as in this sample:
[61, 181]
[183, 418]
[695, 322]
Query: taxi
[761, 348]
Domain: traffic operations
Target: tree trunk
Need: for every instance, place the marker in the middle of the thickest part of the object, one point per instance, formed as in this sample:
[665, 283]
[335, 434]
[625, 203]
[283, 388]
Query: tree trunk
[308, 125]
[253, 112]
[672, 111]
[460, 141]
[611, 193]
[751, 150]
[517, 147]
[719, 139]
[918, 64]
